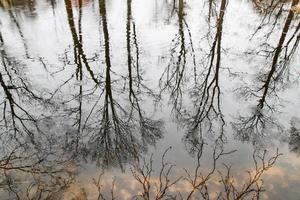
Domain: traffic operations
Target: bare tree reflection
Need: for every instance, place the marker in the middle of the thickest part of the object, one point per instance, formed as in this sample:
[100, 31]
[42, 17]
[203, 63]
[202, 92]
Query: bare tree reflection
[28, 163]
[27, 175]
[118, 126]
[107, 117]
[198, 182]
[79, 55]
[207, 117]
[144, 172]
[254, 127]
[82, 63]
[118, 130]
[17, 120]
[174, 76]
[150, 129]
[114, 141]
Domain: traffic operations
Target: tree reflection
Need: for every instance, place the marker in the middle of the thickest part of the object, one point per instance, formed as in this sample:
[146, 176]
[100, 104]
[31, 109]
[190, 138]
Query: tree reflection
[114, 139]
[82, 63]
[150, 129]
[79, 55]
[117, 137]
[17, 119]
[197, 183]
[261, 121]
[205, 115]
[24, 174]
[28, 165]
[174, 77]
[99, 113]
[206, 94]
[117, 130]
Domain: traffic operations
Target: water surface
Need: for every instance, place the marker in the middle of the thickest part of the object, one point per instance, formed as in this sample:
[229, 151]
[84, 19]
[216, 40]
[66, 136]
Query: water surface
[152, 99]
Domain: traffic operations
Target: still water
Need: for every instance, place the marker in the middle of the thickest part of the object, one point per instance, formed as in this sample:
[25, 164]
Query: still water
[149, 99]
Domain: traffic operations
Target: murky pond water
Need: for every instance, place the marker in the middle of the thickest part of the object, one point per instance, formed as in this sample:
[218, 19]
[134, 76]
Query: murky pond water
[149, 99]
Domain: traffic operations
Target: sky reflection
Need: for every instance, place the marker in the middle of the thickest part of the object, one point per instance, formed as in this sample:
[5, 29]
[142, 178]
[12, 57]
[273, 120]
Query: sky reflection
[92, 86]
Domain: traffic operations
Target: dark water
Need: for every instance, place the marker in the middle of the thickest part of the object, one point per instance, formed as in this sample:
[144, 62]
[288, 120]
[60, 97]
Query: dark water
[149, 99]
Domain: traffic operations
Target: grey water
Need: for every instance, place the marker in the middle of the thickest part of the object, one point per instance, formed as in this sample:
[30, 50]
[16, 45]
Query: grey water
[149, 99]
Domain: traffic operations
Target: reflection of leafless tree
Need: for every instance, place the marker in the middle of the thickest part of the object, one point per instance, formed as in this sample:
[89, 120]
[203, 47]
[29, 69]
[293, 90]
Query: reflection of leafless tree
[253, 188]
[206, 93]
[164, 185]
[26, 147]
[79, 55]
[251, 127]
[131, 33]
[143, 175]
[17, 119]
[198, 180]
[43, 179]
[118, 135]
[112, 132]
[174, 76]
[80, 60]
[149, 129]
[99, 186]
